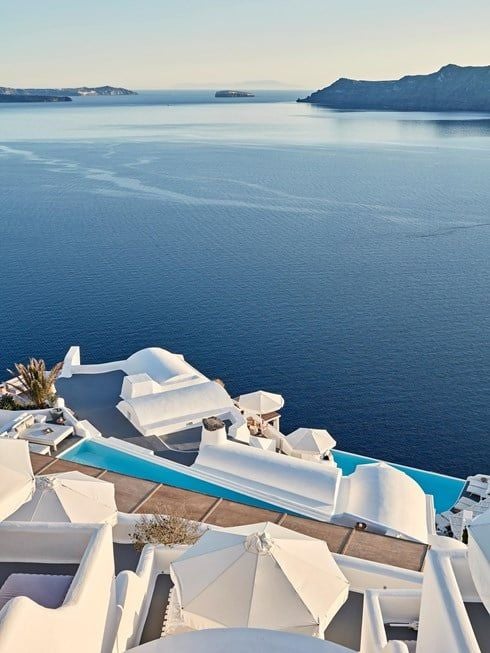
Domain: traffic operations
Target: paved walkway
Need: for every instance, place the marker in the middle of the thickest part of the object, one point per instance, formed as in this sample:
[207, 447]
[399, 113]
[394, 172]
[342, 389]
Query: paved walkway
[135, 495]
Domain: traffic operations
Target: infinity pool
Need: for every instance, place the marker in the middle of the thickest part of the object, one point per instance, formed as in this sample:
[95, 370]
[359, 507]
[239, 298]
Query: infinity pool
[445, 489]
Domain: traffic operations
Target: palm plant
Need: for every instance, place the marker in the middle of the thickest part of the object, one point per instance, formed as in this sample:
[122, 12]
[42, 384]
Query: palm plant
[36, 382]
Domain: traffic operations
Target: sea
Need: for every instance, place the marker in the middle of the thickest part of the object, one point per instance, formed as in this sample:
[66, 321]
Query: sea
[339, 258]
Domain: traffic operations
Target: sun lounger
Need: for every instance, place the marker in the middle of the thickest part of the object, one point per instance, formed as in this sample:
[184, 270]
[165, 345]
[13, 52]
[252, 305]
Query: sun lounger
[45, 589]
[43, 449]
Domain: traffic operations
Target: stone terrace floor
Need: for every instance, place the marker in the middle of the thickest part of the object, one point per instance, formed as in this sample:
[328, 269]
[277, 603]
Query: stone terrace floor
[134, 495]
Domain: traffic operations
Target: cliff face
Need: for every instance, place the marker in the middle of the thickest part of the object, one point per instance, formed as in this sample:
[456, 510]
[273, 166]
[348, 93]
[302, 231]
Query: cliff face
[452, 88]
[73, 92]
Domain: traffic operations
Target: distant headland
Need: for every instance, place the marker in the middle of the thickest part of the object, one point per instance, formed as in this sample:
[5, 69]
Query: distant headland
[452, 88]
[58, 94]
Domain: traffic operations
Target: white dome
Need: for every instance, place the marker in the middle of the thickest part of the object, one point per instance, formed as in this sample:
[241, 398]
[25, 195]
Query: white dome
[387, 497]
[160, 365]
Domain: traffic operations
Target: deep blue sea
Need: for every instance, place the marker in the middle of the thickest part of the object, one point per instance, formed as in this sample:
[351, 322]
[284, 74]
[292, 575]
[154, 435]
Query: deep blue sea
[340, 258]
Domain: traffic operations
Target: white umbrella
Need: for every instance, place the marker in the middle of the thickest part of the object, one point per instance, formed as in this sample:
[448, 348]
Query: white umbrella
[261, 402]
[239, 640]
[277, 578]
[311, 440]
[16, 476]
[479, 555]
[70, 497]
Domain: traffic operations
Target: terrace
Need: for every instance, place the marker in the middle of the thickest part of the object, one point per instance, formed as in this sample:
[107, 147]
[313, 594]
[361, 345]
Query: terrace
[94, 397]
[134, 495]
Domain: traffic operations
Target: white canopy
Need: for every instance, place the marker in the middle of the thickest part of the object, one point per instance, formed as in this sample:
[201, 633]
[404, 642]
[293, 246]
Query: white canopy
[311, 440]
[479, 555]
[70, 497]
[239, 640]
[277, 579]
[261, 402]
[16, 476]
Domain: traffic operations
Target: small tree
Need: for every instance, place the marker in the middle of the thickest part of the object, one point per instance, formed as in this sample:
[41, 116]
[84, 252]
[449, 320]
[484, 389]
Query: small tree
[36, 382]
[169, 527]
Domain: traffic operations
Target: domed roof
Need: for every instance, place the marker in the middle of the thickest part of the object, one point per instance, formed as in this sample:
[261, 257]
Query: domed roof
[160, 364]
[383, 495]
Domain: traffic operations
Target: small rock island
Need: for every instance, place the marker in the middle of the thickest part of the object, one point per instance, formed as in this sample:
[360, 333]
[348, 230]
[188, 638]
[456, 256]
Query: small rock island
[58, 94]
[233, 94]
[452, 88]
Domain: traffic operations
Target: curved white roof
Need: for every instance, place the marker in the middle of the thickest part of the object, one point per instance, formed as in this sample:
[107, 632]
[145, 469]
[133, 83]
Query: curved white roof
[284, 480]
[383, 495]
[177, 403]
[160, 364]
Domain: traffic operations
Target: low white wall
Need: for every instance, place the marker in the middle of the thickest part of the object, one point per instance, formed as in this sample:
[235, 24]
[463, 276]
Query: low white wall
[72, 365]
[365, 574]
[444, 623]
[82, 623]
[384, 607]
[72, 359]
[44, 543]
[134, 591]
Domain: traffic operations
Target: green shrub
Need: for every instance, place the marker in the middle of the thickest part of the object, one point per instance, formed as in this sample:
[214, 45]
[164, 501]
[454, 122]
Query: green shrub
[8, 402]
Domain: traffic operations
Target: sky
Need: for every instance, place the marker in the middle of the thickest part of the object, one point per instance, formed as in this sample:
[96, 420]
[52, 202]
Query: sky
[303, 44]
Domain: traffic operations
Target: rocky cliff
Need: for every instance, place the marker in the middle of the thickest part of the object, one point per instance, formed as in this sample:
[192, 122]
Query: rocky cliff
[452, 88]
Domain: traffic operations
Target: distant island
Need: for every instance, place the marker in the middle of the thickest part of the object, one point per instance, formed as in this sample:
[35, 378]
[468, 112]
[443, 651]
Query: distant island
[58, 94]
[233, 94]
[452, 88]
[5, 98]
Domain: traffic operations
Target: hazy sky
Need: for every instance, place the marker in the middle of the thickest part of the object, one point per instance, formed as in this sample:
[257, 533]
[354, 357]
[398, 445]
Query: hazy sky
[167, 43]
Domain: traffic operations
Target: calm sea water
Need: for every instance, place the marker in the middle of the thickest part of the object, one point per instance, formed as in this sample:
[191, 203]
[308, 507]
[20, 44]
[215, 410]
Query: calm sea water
[339, 258]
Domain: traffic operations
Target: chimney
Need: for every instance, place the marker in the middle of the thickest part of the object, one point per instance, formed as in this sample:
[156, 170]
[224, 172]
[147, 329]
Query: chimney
[213, 431]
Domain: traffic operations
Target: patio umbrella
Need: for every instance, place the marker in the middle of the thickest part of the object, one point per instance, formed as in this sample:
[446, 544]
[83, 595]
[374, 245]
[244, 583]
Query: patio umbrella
[70, 497]
[279, 579]
[16, 476]
[261, 402]
[311, 440]
[239, 640]
[479, 555]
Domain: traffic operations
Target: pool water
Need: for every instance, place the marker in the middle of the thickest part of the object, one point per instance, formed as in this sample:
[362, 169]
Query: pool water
[445, 489]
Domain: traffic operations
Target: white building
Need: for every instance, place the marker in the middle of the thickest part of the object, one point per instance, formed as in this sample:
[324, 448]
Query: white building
[160, 392]
[386, 500]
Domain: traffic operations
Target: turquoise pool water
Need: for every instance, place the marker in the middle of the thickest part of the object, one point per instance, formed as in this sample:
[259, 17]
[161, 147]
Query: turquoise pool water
[445, 489]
